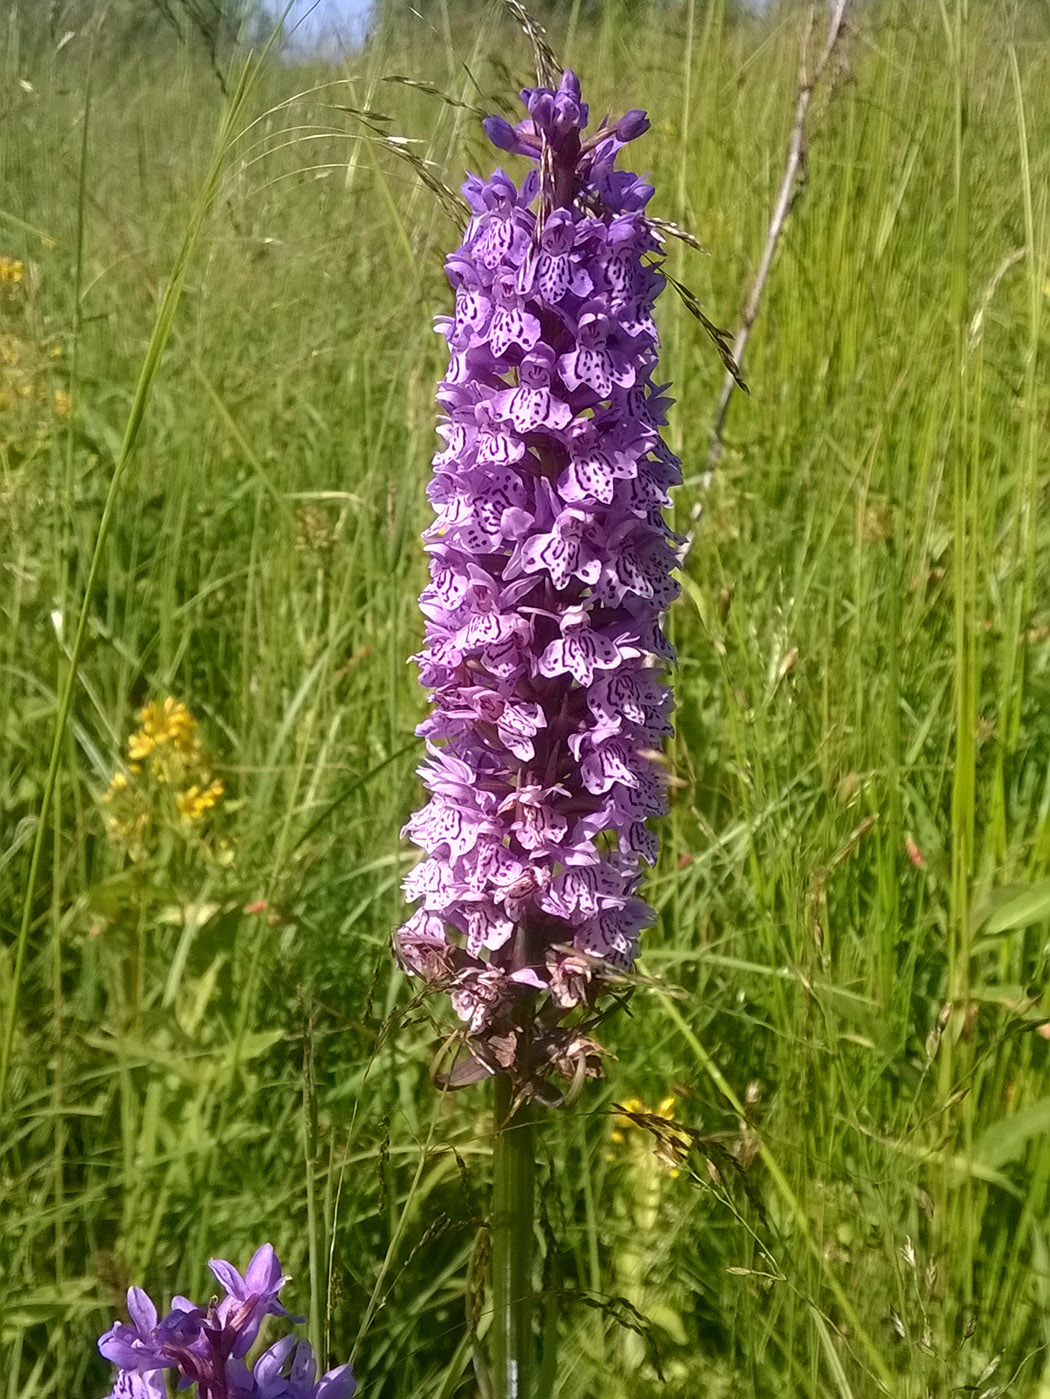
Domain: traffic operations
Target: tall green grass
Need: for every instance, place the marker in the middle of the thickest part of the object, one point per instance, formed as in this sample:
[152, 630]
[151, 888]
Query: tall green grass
[209, 1044]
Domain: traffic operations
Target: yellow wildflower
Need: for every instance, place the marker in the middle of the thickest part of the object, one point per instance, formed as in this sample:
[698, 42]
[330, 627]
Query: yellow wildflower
[140, 745]
[167, 725]
[167, 781]
[195, 801]
[11, 271]
[117, 785]
[61, 405]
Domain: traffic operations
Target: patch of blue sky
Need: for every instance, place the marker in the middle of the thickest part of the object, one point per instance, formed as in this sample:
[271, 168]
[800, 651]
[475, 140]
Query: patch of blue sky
[323, 26]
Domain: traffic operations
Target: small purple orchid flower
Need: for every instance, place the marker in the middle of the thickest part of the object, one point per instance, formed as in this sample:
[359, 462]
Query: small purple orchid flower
[206, 1346]
[550, 568]
[251, 1297]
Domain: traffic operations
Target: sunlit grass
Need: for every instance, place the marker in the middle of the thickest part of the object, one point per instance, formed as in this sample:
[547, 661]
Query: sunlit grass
[862, 737]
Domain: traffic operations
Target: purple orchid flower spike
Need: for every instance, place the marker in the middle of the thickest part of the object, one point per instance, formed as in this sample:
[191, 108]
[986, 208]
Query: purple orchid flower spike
[550, 568]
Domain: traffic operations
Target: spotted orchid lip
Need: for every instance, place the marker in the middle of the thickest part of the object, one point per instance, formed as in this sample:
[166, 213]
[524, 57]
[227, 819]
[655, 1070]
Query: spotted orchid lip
[550, 568]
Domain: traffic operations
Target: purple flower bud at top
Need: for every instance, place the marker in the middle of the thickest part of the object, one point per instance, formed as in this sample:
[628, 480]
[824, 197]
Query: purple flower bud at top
[500, 133]
[558, 117]
[550, 568]
[510, 138]
[570, 84]
[631, 125]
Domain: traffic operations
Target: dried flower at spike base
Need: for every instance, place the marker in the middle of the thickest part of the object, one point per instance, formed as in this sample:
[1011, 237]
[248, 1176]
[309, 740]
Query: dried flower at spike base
[206, 1346]
[550, 566]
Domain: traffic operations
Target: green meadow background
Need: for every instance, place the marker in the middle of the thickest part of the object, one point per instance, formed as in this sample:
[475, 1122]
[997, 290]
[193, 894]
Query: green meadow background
[205, 1041]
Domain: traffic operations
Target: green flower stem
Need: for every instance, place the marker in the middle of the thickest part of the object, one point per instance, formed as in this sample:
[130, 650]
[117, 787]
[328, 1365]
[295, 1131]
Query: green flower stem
[513, 1208]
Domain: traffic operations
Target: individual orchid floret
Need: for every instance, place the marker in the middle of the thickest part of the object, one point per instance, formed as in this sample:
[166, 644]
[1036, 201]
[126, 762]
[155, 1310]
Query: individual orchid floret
[251, 1297]
[206, 1347]
[551, 566]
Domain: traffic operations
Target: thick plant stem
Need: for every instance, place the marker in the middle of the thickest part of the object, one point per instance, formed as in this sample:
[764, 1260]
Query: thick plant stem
[513, 1207]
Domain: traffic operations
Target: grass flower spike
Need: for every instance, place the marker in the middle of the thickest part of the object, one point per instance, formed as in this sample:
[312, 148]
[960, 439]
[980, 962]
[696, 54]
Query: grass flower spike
[550, 567]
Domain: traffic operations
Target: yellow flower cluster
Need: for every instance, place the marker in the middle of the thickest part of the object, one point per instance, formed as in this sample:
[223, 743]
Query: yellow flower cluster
[11, 271]
[195, 801]
[165, 756]
[166, 731]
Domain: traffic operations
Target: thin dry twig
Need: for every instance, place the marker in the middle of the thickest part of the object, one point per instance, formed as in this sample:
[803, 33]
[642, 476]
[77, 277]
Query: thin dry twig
[401, 146]
[548, 69]
[433, 91]
[668, 229]
[790, 187]
[719, 338]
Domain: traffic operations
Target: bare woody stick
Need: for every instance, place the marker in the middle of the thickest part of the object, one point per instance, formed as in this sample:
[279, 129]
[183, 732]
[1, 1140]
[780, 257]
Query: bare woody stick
[790, 187]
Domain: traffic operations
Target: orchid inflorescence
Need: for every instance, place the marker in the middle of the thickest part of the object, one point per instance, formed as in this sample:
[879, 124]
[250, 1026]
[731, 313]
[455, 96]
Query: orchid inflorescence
[550, 566]
[207, 1346]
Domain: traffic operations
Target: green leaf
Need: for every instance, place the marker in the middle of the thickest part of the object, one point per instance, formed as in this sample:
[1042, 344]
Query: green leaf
[1021, 909]
[1006, 1140]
